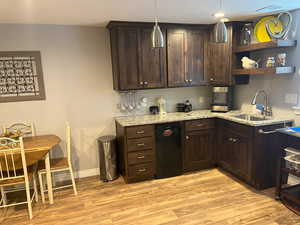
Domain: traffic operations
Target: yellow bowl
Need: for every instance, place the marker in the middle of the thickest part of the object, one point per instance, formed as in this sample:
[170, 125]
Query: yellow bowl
[261, 32]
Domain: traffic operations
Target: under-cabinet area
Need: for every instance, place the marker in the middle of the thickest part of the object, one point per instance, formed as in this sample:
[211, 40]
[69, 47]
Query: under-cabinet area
[246, 151]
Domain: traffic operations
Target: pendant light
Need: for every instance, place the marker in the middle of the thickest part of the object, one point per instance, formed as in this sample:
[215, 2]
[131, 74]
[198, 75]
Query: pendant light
[157, 36]
[220, 30]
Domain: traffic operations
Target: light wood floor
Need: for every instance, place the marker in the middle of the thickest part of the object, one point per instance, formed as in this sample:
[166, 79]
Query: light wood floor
[204, 198]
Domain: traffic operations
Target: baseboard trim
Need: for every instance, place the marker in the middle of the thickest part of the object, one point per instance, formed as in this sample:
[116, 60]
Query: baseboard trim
[63, 176]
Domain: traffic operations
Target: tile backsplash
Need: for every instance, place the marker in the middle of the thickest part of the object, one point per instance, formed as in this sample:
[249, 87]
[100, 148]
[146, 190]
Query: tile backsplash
[200, 97]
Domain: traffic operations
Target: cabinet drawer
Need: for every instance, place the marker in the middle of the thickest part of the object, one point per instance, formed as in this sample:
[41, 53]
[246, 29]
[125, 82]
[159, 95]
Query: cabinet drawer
[140, 144]
[141, 170]
[140, 131]
[140, 157]
[199, 124]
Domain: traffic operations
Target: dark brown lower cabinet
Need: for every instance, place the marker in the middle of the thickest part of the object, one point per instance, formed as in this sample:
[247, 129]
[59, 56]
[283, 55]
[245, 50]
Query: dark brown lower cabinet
[199, 144]
[235, 154]
[248, 152]
[199, 150]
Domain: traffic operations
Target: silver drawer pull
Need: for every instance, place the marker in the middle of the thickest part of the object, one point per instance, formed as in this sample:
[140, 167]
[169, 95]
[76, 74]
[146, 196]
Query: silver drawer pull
[140, 132]
[140, 144]
[141, 157]
[261, 131]
[142, 170]
[200, 125]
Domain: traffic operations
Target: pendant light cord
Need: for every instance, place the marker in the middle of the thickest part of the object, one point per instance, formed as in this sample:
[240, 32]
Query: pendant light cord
[156, 11]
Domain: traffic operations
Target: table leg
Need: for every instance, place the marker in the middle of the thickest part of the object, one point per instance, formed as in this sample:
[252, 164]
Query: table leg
[49, 180]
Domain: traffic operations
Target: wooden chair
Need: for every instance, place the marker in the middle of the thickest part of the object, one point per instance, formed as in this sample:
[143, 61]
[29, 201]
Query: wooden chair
[14, 171]
[59, 165]
[26, 129]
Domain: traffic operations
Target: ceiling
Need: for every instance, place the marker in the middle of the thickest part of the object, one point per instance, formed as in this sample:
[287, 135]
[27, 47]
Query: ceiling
[99, 12]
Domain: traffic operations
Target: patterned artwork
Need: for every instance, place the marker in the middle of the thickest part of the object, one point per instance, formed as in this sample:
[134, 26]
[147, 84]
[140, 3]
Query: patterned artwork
[21, 77]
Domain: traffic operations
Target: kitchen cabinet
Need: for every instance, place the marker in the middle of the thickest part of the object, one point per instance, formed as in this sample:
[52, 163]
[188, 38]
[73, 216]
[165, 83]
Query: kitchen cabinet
[220, 61]
[187, 56]
[235, 154]
[199, 144]
[136, 152]
[136, 65]
[248, 152]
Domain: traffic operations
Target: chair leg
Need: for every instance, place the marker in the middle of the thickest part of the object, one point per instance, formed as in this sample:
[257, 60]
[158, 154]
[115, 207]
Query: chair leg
[73, 181]
[35, 188]
[42, 187]
[28, 198]
[3, 196]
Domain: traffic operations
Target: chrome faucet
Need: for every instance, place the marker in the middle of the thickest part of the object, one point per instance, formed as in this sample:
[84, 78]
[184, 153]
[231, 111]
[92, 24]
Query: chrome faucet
[267, 111]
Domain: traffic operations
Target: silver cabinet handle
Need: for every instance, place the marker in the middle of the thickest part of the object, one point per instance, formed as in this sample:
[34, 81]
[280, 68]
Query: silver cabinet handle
[140, 144]
[211, 79]
[261, 131]
[141, 83]
[230, 139]
[190, 81]
[186, 80]
[145, 82]
[140, 132]
[187, 137]
[200, 125]
[234, 140]
[142, 170]
[141, 157]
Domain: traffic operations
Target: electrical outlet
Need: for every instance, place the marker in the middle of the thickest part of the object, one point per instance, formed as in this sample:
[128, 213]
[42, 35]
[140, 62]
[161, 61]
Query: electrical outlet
[291, 98]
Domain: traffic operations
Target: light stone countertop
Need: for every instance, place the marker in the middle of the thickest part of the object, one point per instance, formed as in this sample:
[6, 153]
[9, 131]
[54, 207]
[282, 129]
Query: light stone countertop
[198, 114]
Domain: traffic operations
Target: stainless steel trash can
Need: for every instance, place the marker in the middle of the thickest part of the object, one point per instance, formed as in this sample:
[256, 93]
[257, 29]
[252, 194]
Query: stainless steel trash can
[108, 158]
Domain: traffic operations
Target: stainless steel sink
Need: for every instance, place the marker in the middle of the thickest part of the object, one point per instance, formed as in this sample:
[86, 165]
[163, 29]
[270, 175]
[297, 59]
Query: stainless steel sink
[250, 117]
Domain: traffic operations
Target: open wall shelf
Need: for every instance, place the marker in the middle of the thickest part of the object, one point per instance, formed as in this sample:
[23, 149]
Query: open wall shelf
[262, 71]
[265, 45]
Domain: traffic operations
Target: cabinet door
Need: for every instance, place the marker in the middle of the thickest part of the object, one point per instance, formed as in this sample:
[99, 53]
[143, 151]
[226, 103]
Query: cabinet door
[225, 149]
[242, 157]
[196, 41]
[220, 61]
[177, 44]
[199, 150]
[153, 62]
[128, 50]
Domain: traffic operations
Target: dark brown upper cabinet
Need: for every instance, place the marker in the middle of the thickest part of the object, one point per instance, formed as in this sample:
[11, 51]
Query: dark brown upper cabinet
[153, 62]
[220, 56]
[136, 65]
[187, 56]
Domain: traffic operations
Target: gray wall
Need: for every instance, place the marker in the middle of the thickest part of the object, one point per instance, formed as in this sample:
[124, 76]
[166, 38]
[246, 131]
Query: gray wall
[78, 81]
[277, 86]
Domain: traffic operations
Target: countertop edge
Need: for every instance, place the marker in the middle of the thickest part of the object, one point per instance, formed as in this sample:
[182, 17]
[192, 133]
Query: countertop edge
[225, 117]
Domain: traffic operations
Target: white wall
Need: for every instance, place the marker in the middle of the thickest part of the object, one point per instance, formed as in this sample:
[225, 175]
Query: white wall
[78, 81]
[276, 85]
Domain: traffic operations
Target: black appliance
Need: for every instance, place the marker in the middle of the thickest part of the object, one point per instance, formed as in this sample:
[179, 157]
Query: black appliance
[184, 107]
[222, 99]
[168, 150]
[154, 109]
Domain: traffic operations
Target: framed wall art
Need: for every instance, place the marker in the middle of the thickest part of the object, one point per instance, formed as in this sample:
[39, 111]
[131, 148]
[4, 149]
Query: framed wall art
[21, 76]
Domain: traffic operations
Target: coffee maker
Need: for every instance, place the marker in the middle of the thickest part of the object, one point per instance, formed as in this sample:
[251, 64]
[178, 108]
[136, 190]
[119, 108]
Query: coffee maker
[222, 99]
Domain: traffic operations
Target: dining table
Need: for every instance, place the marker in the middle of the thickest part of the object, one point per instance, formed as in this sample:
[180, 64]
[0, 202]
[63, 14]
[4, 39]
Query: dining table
[38, 148]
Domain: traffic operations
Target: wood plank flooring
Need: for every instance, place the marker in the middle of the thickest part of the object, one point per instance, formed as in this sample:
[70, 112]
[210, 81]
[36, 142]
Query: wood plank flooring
[208, 197]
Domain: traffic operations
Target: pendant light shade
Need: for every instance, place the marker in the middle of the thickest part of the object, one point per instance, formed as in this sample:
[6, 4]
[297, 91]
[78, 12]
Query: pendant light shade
[220, 32]
[157, 36]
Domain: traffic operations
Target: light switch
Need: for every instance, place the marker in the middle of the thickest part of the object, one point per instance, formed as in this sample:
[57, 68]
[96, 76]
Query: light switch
[291, 98]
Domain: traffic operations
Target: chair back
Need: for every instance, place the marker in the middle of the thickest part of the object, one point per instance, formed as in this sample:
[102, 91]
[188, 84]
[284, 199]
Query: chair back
[12, 154]
[25, 129]
[68, 142]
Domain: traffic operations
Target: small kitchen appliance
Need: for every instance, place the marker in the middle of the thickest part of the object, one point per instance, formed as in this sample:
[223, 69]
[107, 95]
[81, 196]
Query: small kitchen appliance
[154, 109]
[222, 99]
[184, 107]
